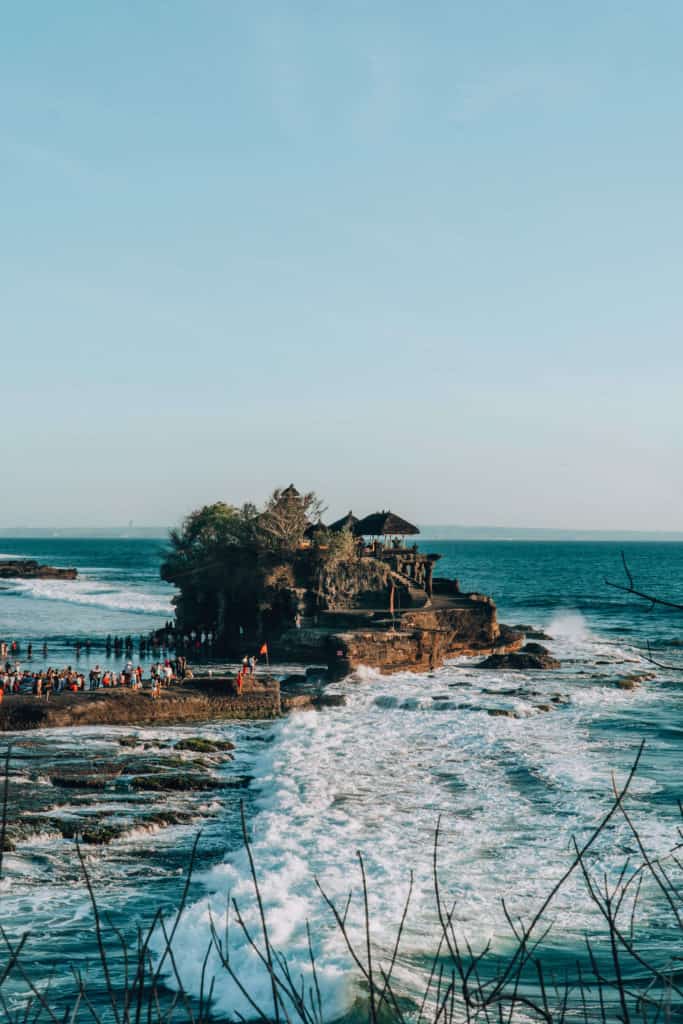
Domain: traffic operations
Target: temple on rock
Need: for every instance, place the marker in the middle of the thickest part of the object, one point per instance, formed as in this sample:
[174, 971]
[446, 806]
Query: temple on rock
[359, 590]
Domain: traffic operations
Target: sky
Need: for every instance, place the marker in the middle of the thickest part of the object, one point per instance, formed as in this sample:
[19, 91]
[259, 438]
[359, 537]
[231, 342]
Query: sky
[420, 256]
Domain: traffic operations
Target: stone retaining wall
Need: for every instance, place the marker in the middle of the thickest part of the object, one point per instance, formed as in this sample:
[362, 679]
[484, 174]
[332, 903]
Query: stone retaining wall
[130, 707]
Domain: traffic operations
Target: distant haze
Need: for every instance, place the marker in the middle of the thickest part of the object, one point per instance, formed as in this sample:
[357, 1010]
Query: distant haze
[418, 257]
[439, 532]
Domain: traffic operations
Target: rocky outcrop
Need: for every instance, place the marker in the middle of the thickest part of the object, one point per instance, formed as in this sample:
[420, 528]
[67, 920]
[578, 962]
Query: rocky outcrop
[534, 648]
[519, 661]
[27, 569]
[531, 632]
[418, 639]
[633, 681]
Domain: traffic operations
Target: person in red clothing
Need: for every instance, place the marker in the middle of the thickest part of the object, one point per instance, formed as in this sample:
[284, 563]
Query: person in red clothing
[240, 678]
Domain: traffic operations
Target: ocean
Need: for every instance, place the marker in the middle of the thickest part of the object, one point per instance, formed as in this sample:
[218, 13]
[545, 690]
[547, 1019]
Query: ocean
[513, 764]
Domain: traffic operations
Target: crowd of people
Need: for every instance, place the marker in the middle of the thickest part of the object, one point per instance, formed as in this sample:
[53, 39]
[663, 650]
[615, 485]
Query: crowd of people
[169, 667]
[14, 679]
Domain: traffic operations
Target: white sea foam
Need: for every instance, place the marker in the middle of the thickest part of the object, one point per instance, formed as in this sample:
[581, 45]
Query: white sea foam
[568, 625]
[375, 775]
[95, 593]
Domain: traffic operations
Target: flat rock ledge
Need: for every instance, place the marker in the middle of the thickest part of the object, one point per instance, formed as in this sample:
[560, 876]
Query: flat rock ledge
[131, 707]
[203, 700]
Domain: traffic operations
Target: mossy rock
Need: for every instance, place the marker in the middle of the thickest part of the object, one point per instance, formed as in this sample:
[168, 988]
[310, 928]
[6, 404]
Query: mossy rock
[176, 782]
[199, 745]
[93, 833]
[100, 834]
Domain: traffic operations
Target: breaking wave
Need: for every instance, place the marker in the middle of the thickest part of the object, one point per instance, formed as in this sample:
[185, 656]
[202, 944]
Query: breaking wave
[94, 593]
[511, 791]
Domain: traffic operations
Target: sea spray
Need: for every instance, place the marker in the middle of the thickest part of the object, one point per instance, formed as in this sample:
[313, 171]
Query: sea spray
[373, 776]
[570, 626]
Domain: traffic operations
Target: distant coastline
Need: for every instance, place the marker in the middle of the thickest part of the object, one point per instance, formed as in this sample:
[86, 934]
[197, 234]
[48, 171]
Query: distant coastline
[540, 534]
[85, 532]
[442, 532]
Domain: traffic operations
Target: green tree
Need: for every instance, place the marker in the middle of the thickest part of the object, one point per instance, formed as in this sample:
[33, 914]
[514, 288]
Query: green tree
[283, 523]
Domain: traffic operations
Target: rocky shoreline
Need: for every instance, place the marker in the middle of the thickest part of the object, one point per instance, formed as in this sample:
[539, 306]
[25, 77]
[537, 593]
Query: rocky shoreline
[67, 793]
[203, 700]
[28, 569]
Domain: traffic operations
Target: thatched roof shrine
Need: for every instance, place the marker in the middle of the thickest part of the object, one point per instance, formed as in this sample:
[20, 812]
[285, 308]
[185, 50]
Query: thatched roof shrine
[384, 524]
[347, 522]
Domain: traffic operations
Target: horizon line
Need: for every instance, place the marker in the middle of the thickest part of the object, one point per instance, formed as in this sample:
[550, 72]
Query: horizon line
[157, 530]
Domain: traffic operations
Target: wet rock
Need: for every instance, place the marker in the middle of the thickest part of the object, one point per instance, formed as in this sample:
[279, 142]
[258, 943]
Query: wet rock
[633, 680]
[519, 662]
[94, 833]
[544, 707]
[501, 713]
[28, 569]
[162, 819]
[534, 649]
[532, 633]
[329, 700]
[165, 764]
[199, 745]
[178, 782]
[86, 777]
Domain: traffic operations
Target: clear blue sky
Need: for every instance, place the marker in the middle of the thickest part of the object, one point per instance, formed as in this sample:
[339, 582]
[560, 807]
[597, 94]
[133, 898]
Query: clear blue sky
[424, 256]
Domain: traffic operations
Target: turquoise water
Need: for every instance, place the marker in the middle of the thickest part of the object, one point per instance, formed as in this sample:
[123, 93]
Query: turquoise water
[118, 592]
[376, 773]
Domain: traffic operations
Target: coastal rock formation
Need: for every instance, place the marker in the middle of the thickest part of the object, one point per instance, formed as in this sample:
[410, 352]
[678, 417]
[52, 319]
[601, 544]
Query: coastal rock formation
[519, 661]
[409, 641]
[353, 593]
[633, 681]
[28, 569]
[531, 632]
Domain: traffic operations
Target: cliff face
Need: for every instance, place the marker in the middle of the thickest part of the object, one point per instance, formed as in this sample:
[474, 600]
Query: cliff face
[414, 640]
[346, 584]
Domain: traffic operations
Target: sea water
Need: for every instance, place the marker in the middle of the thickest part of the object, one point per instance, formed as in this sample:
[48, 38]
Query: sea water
[510, 781]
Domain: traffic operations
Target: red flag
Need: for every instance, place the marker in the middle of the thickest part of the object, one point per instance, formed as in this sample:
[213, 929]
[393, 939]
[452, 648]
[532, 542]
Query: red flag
[264, 649]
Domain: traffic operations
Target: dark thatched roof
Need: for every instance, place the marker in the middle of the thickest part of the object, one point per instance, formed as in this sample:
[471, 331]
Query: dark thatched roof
[384, 524]
[347, 522]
